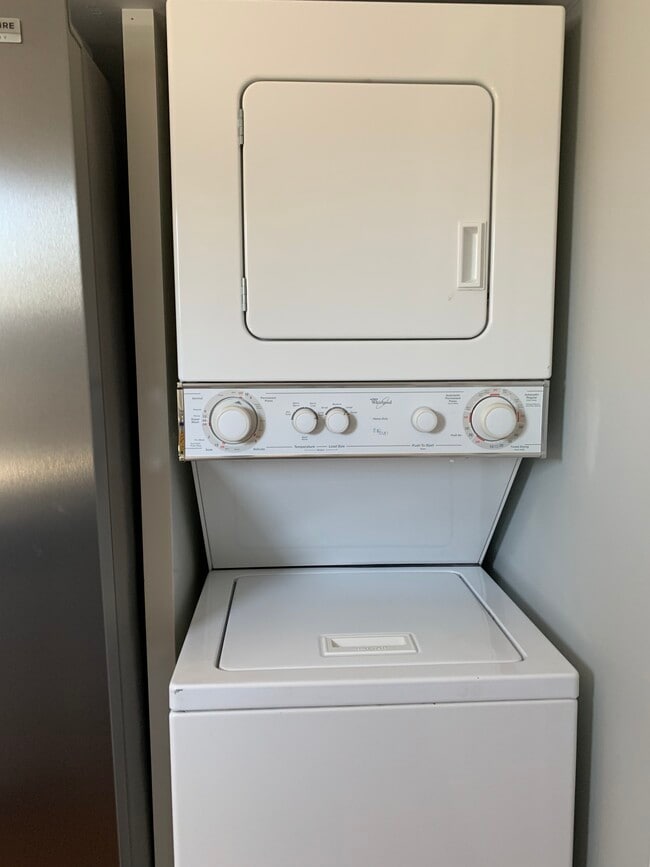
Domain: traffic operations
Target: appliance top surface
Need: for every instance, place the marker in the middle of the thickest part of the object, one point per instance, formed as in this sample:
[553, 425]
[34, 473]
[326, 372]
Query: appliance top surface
[293, 619]
[344, 636]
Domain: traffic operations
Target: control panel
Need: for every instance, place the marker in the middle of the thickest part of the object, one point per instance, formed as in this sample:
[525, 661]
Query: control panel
[440, 419]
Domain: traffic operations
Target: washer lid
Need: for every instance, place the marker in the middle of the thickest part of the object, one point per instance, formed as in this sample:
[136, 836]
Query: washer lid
[366, 209]
[467, 633]
[338, 619]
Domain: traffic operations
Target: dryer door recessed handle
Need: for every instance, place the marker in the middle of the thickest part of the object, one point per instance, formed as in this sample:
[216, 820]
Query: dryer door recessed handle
[471, 255]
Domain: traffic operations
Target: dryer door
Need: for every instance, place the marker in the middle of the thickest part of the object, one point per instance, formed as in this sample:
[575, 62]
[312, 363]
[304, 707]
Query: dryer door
[366, 209]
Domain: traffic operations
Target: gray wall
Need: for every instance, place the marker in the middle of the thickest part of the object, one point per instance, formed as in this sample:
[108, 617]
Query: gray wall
[575, 548]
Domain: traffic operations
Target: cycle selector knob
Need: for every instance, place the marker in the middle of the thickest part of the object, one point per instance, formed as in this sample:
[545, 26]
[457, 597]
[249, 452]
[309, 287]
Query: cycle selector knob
[425, 420]
[304, 420]
[337, 420]
[233, 420]
[494, 419]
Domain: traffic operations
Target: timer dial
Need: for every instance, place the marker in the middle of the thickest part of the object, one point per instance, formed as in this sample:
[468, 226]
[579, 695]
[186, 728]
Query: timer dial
[337, 420]
[425, 420]
[494, 418]
[304, 420]
[233, 420]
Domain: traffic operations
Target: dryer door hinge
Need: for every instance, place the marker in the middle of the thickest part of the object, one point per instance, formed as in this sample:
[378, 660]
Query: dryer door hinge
[240, 126]
[244, 295]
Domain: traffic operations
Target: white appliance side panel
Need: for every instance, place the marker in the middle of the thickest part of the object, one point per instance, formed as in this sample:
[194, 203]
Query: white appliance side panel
[354, 199]
[217, 48]
[349, 511]
[453, 785]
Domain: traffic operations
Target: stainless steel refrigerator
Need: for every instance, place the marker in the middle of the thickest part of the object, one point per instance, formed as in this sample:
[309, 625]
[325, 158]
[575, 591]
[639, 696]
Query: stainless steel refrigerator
[74, 779]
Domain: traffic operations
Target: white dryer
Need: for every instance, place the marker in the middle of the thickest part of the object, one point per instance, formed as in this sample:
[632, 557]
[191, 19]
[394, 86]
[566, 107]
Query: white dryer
[367, 717]
[364, 191]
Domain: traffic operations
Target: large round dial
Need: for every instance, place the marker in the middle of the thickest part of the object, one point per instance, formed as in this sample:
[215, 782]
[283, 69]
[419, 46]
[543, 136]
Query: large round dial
[233, 420]
[424, 419]
[337, 420]
[494, 418]
[304, 420]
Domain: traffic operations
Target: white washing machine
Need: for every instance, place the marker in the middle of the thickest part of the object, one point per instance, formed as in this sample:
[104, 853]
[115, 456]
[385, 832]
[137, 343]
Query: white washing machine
[367, 714]
[364, 200]
[370, 717]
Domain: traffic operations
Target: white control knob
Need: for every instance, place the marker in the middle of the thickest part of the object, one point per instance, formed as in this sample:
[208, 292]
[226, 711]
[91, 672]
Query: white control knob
[424, 419]
[337, 420]
[233, 420]
[494, 418]
[304, 420]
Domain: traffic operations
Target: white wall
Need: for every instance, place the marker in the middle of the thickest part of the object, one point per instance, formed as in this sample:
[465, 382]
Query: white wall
[575, 549]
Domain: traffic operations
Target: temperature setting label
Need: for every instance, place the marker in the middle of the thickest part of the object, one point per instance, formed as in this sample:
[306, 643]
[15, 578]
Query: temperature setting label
[438, 419]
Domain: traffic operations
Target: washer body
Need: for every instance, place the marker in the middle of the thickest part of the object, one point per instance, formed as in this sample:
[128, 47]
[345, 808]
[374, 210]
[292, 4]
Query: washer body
[369, 716]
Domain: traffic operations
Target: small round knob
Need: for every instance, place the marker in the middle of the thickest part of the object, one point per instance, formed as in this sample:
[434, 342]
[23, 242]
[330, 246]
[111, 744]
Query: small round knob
[424, 419]
[337, 420]
[304, 420]
[494, 418]
[233, 420]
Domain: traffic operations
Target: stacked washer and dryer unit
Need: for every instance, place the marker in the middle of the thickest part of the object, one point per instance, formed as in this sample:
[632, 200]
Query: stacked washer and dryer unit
[365, 202]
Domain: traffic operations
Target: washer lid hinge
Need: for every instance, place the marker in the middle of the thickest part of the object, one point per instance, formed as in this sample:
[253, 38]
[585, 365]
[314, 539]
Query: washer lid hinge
[244, 295]
[240, 126]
